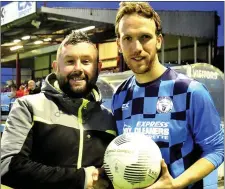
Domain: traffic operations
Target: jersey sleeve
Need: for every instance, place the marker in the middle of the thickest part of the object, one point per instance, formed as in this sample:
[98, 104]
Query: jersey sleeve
[204, 122]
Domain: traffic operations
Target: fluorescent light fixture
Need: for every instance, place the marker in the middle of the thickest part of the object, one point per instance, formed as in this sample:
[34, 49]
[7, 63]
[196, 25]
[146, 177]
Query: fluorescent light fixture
[38, 42]
[7, 44]
[48, 39]
[25, 37]
[85, 29]
[16, 40]
[16, 47]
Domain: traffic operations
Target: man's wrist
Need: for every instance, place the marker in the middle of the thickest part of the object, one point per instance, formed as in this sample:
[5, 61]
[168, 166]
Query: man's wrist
[176, 184]
[85, 180]
[180, 182]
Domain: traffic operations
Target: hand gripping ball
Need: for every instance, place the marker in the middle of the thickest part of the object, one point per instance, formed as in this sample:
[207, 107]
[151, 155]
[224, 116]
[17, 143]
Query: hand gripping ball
[132, 160]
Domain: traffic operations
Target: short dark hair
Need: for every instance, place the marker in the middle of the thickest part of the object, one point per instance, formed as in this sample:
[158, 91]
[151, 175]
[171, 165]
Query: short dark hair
[74, 38]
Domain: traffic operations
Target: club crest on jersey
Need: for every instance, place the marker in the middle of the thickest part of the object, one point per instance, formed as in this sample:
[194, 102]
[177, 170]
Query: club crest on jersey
[164, 104]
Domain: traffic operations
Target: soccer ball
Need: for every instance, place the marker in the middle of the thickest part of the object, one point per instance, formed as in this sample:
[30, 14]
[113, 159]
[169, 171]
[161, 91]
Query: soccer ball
[132, 160]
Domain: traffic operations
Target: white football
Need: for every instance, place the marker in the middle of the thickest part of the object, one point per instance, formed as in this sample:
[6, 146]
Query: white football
[132, 160]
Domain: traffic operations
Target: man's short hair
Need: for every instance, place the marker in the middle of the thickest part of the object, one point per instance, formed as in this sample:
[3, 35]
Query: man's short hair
[141, 8]
[74, 38]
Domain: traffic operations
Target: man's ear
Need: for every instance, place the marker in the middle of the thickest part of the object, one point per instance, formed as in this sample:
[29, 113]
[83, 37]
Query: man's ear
[55, 66]
[118, 45]
[159, 40]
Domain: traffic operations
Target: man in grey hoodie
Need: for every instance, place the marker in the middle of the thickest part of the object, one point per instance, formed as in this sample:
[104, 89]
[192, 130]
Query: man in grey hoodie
[56, 139]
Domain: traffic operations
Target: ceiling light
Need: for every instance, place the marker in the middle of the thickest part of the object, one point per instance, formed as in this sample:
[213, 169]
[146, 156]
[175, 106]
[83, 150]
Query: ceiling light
[7, 44]
[85, 29]
[16, 47]
[25, 37]
[16, 40]
[38, 42]
[48, 39]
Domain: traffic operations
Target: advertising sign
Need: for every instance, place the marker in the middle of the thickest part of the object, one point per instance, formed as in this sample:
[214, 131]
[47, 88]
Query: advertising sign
[16, 10]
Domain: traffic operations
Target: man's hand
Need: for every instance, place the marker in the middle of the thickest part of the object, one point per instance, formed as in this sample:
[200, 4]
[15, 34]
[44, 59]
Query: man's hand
[91, 176]
[166, 181]
[93, 179]
[100, 184]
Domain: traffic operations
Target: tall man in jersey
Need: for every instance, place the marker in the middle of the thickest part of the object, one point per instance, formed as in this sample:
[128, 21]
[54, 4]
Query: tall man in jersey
[177, 112]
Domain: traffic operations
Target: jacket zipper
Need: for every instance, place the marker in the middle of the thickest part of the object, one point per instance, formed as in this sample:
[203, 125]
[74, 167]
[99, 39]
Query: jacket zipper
[80, 124]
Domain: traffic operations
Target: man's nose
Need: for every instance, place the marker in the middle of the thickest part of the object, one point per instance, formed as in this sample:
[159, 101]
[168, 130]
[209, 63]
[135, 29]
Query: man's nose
[78, 65]
[137, 47]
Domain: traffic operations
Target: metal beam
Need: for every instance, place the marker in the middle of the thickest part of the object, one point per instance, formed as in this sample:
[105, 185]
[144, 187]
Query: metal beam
[98, 15]
[18, 22]
[195, 50]
[209, 52]
[18, 71]
[170, 19]
[31, 53]
[179, 50]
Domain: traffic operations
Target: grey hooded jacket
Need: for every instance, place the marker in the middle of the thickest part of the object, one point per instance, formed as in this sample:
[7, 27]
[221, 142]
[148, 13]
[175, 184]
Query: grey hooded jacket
[49, 138]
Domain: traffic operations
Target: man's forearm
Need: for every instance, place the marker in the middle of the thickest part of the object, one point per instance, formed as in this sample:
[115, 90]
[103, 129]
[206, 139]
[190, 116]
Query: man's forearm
[196, 172]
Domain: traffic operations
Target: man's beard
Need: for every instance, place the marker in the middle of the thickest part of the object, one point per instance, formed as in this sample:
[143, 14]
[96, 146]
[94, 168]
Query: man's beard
[78, 92]
[137, 70]
[145, 70]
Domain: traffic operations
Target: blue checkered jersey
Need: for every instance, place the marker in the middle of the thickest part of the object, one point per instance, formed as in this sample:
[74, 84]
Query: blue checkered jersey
[178, 113]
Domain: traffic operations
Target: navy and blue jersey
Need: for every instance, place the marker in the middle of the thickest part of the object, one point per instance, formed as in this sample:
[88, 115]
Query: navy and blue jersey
[178, 113]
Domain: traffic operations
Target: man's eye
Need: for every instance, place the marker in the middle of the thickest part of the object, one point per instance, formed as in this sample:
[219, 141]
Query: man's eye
[70, 61]
[145, 37]
[85, 61]
[127, 38]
